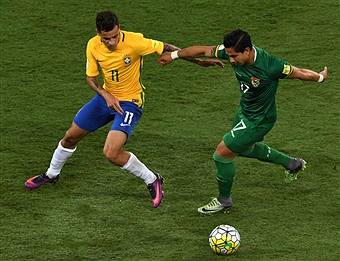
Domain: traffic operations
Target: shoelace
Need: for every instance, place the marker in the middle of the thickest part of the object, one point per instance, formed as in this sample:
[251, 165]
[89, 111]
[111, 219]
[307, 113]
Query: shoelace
[213, 203]
[40, 178]
[152, 191]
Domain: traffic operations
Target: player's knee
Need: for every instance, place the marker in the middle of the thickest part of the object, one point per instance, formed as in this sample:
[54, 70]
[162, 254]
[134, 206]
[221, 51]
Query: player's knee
[111, 155]
[68, 141]
[72, 136]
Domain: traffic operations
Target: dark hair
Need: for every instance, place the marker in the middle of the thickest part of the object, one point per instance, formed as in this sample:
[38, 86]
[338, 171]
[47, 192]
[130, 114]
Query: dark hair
[238, 39]
[106, 21]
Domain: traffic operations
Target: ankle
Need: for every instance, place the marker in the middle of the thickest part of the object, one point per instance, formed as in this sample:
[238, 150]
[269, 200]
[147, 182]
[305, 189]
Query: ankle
[225, 201]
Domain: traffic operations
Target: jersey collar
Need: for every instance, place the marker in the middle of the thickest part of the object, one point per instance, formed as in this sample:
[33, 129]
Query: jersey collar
[255, 55]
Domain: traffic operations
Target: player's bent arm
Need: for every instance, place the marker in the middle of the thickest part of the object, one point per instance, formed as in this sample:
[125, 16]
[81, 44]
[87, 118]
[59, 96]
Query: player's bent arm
[169, 48]
[308, 75]
[112, 101]
[94, 84]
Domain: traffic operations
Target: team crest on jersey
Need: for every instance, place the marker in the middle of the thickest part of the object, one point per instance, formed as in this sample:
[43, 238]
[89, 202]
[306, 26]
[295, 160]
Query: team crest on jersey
[127, 59]
[255, 82]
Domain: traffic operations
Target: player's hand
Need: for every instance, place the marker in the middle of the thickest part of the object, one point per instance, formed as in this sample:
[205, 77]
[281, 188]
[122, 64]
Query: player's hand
[324, 73]
[164, 59]
[113, 103]
[207, 63]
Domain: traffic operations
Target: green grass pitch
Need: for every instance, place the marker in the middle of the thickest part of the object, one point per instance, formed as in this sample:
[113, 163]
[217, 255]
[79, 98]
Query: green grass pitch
[98, 212]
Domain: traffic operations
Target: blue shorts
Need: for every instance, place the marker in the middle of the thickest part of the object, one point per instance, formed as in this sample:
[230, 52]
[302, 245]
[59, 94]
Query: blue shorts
[96, 114]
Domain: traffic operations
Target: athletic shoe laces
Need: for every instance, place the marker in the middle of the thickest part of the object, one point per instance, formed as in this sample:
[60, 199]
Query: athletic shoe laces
[152, 190]
[214, 203]
[40, 178]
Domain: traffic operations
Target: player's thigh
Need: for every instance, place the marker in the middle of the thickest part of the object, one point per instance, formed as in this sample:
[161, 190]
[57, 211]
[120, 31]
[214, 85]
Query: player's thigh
[244, 134]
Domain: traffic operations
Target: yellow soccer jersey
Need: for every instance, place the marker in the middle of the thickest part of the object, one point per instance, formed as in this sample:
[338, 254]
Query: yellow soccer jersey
[121, 68]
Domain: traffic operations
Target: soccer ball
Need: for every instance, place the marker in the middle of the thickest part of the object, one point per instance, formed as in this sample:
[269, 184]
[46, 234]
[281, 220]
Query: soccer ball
[224, 240]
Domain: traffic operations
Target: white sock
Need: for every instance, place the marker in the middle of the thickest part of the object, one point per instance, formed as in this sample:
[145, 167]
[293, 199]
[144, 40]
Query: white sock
[138, 169]
[60, 156]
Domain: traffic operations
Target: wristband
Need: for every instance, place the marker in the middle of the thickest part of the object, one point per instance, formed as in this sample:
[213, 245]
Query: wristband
[174, 55]
[320, 78]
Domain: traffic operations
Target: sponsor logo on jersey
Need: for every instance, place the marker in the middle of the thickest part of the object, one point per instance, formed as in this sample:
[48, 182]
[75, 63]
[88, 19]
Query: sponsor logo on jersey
[255, 82]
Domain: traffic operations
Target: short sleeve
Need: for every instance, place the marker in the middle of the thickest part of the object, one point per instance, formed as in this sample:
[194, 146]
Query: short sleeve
[92, 68]
[149, 46]
[279, 68]
[219, 52]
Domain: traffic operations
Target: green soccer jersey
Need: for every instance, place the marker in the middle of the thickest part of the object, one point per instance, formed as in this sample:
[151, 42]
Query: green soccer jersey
[258, 83]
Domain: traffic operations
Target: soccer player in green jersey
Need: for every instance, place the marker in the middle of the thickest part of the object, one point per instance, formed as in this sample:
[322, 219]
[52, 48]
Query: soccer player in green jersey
[118, 55]
[258, 74]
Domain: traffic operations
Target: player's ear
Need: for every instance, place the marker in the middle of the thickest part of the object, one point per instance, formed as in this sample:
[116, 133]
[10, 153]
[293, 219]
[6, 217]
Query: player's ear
[98, 33]
[247, 51]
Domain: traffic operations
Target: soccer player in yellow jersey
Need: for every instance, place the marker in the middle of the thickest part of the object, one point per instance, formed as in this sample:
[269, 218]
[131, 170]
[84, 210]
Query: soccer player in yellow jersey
[120, 100]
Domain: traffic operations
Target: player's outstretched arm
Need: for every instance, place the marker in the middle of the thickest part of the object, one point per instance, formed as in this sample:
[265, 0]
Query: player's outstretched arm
[309, 75]
[190, 54]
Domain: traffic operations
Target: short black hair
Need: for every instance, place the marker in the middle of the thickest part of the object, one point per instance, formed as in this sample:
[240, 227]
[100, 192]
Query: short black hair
[238, 39]
[106, 21]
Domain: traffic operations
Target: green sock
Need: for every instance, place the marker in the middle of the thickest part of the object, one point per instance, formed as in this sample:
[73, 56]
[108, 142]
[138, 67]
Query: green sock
[225, 175]
[264, 153]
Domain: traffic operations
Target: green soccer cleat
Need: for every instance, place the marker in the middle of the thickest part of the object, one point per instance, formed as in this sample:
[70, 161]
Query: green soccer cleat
[291, 175]
[213, 207]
